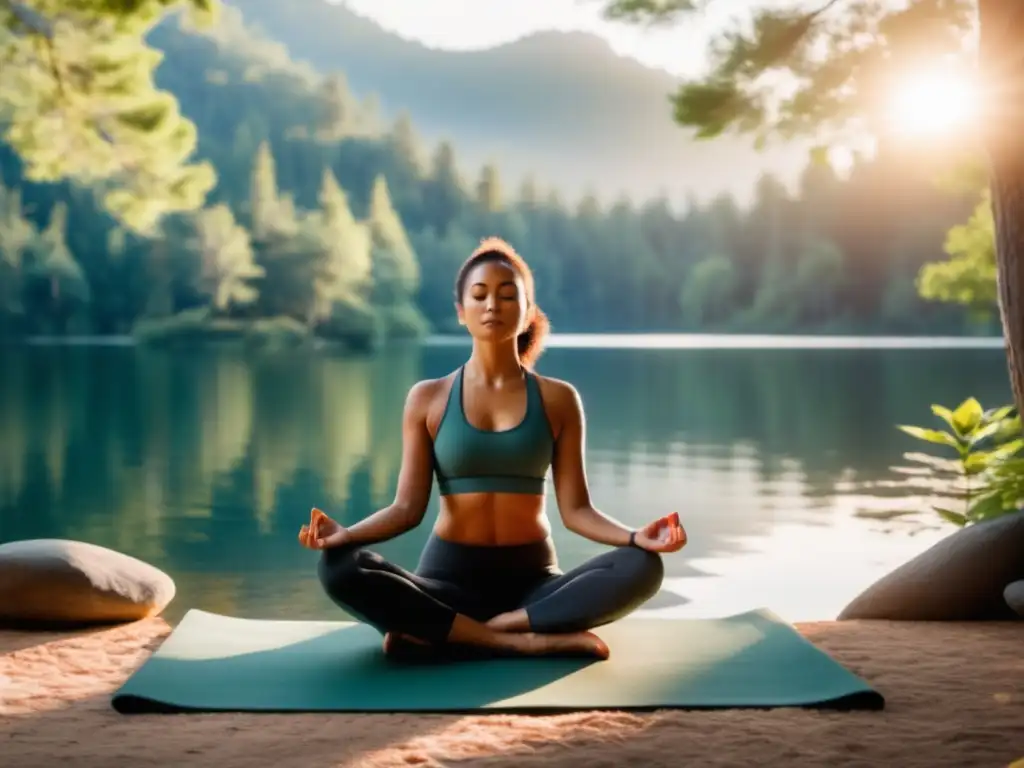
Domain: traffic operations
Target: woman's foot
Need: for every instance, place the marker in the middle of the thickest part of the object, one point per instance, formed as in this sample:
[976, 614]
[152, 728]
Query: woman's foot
[585, 644]
[571, 643]
[401, 646]
[575, 644]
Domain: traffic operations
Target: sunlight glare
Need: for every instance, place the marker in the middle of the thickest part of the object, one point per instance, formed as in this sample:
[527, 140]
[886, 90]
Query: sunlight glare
[935, 104]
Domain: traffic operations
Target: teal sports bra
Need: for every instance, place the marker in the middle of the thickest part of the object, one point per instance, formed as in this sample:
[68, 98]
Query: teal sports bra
[472, 460]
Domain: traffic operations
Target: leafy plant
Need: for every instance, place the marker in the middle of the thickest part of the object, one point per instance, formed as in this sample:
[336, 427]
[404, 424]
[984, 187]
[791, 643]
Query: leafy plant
[986, 475]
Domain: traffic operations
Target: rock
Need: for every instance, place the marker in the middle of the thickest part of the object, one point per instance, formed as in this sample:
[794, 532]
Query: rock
[960, 578]
[62, 582]
[1014, 596]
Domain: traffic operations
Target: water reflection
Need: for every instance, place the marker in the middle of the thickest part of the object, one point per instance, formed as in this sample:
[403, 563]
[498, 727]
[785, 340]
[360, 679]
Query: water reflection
[206, 463]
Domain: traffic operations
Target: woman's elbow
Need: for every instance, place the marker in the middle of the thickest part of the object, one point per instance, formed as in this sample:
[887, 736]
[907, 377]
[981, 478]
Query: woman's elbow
[573, 517]
[412, 513]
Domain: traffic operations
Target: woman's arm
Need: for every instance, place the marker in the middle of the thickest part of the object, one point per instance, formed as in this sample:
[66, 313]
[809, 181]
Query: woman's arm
[414, 480]
[570, 476]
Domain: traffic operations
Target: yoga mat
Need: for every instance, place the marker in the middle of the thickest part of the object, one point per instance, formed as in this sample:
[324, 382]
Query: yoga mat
[217, 663]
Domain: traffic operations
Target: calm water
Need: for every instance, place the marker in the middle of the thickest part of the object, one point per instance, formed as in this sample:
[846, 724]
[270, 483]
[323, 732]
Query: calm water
[206, 463]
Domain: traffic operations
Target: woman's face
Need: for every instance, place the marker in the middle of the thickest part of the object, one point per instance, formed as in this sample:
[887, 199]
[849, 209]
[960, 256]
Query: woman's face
[494, 305]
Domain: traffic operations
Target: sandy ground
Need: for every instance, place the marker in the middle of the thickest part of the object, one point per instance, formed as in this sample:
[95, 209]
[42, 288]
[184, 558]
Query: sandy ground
[955, 697]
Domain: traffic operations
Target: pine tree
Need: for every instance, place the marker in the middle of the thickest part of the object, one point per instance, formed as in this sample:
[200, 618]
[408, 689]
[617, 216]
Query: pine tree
[488, 189]
[396, 270]
[444, 193]
[56, 282]
[16, 236]
[347, 243]
[226, 258]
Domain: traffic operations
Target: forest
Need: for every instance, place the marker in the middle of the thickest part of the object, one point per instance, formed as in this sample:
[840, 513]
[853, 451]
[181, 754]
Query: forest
[327, 219]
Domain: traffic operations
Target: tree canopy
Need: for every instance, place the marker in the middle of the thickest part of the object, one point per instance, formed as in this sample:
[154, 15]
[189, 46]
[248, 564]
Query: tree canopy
[794, 72]
[78, 103]
[353, 228]
[828, 73]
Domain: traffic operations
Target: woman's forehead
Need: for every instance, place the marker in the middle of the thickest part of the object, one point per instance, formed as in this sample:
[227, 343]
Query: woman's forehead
[494, 272]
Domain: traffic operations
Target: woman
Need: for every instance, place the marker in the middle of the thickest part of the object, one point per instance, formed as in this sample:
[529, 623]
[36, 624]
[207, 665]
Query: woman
[488, 576]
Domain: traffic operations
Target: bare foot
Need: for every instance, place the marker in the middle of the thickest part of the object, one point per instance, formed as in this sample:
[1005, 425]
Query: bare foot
[402, 646]
[568, 644]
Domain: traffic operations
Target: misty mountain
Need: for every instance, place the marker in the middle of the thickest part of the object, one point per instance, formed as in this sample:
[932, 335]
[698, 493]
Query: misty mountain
[561, 106]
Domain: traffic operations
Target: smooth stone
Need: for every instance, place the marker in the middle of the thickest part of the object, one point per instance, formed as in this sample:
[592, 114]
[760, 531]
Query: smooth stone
[1014, 596]
[64, 582]
[960, 578]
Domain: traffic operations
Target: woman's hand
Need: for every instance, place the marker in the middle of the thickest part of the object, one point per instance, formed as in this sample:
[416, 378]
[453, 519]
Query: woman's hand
[666, 534]
[322, 532]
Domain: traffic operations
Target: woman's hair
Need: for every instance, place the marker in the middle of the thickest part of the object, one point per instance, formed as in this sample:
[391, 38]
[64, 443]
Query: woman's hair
[530, 342]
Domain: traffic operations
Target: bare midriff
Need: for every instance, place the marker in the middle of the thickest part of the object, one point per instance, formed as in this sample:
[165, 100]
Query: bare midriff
[492, 519]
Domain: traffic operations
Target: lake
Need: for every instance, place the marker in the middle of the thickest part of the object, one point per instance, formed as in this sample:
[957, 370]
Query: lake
[779, 458]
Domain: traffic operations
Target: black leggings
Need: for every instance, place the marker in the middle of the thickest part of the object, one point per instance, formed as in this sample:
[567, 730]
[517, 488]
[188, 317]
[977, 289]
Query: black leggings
[482, 582]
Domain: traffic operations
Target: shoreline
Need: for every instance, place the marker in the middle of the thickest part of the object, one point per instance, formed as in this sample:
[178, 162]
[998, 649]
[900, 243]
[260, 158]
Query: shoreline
[619, 340]
[954, 697]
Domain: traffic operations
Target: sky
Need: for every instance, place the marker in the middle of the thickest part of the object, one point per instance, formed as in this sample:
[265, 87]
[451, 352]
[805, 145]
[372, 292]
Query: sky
[465, 24]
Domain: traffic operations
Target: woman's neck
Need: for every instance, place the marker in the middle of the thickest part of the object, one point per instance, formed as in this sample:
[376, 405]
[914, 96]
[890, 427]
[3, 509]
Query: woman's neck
[495, 363]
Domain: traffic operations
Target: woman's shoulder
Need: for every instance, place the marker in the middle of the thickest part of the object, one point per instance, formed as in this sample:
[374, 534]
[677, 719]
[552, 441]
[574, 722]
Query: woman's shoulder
[425, 395]
[558, 393]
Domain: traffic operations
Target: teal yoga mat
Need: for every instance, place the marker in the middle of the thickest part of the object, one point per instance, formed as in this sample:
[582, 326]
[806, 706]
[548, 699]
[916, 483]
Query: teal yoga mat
[217, 663]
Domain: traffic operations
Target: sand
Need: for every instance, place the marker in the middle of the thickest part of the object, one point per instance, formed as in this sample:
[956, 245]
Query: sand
[955, 697]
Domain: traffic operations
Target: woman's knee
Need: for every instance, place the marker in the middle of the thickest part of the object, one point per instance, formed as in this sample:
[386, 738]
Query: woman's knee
[644, 570]
[339, 569]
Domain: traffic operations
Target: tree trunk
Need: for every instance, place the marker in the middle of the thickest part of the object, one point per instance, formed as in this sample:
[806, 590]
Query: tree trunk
[1001, 52]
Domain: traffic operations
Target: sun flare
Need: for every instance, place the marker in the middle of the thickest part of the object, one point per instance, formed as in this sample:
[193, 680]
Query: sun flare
[929, 104]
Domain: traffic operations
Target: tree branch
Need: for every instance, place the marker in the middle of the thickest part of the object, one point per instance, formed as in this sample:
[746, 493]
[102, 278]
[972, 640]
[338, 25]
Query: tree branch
[35, 23]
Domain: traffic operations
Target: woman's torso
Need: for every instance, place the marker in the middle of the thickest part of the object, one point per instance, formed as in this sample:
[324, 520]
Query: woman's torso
[492, 451]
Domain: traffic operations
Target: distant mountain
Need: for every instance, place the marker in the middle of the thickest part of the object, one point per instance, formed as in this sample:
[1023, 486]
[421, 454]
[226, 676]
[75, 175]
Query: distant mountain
[562, 106]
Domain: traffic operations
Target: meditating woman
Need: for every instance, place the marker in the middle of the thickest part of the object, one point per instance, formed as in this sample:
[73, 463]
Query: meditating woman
[488, 576]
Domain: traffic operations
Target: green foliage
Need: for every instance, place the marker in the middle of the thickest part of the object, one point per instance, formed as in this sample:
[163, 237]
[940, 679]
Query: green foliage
[650, 11]
[968, 277]
[226, 258]
[78, 103]
[794, 72]
[355, 324]
[823, 73]
[201, 326]
[17, 234]
[985, 476]
[709, 288]
[358, 239]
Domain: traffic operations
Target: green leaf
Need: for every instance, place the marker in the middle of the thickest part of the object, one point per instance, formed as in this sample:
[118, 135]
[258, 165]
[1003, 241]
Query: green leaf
[1009, 428]
[1006, 451]
[977, 462]
[953, 517]
[986, 431]
[945, 414]
[931, 435]
[998, 414]
[967, 416]
[986, 507]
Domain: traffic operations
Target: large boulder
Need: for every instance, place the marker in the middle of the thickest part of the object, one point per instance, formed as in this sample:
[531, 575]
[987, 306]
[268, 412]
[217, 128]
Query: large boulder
[960, 578]
[1014, 596]
[61, 582]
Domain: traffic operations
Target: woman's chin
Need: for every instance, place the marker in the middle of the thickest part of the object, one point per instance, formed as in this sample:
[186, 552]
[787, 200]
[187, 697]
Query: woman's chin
[494, 332]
